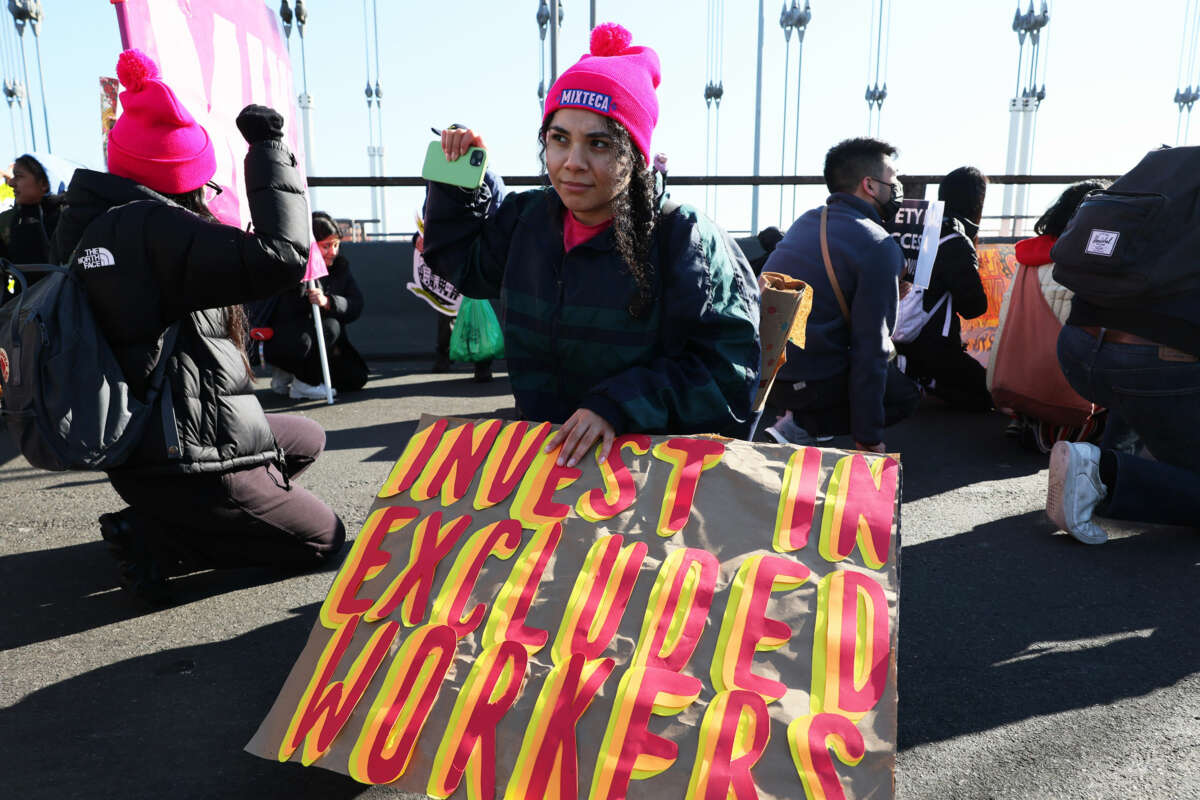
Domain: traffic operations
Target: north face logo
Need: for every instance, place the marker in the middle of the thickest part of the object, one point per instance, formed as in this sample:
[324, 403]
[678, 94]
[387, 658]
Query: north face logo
[95, 257]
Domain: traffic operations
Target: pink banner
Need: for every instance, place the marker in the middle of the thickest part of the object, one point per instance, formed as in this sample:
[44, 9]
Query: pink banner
[218, 56]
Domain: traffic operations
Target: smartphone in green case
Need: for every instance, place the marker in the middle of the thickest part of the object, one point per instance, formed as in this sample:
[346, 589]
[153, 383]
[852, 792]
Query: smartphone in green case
[466, 171]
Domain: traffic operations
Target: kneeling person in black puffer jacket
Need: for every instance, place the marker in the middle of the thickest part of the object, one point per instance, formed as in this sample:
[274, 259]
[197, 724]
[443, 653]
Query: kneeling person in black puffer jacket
[211, 486]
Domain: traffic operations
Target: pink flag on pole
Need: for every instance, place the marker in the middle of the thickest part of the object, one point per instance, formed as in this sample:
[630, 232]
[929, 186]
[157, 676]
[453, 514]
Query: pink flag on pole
[316, 264]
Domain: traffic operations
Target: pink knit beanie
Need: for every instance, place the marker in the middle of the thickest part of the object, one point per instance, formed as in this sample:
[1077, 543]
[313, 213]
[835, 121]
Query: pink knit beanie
[613, 80]
[156, 142]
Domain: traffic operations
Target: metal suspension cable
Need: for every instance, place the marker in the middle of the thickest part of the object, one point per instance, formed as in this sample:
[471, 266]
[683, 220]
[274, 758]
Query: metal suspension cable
[879, 41]
[719, 37]
[1192, 33]
[1183, 41]
[367, 59]
[787, 52]
[796, 132]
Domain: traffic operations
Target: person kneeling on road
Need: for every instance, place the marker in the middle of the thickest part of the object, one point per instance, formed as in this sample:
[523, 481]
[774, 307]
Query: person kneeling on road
[844, 380]
[213, 490]
[293, 350]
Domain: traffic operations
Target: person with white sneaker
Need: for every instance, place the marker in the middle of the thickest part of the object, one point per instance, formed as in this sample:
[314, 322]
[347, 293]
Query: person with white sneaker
[1147, 374]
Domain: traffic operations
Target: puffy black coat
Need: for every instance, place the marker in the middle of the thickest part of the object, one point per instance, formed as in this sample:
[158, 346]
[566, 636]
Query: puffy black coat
[147, 263]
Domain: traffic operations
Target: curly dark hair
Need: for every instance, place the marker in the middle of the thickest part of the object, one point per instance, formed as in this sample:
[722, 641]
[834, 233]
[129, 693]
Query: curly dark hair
[1055, 220]
[635, 213]
[237, 324]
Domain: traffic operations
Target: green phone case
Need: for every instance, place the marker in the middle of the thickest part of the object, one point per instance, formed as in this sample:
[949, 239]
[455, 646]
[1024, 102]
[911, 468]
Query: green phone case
[466, 171]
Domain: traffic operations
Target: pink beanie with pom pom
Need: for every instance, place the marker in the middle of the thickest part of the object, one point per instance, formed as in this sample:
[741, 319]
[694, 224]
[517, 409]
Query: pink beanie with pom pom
[615, 80]
[155, 141]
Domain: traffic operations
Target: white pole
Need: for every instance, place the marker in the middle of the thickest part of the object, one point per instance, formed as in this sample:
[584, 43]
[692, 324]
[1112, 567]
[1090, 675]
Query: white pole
[1010, 164]
[757, 122]
[1027, 109]
[306, 104]
[321, 348]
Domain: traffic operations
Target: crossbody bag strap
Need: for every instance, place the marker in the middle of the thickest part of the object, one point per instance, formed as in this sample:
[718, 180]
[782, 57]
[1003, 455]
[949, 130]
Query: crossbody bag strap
[833, 281]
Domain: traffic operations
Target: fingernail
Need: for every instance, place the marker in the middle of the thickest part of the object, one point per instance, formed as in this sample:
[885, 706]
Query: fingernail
[571, 463]
[560, 461]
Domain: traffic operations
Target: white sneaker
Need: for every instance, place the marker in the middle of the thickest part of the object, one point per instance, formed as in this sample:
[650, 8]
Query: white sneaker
[306, 391]
[1075, 489]
[786, 431]
[281, 381]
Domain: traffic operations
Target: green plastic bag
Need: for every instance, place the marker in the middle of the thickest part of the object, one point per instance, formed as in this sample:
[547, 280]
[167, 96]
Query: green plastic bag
[477, 335]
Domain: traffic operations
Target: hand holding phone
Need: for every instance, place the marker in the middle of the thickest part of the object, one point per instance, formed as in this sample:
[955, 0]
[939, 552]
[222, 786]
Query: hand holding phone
[459, 159]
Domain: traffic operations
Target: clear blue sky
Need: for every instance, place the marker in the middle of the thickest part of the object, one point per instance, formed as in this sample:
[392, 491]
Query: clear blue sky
[1112, 69]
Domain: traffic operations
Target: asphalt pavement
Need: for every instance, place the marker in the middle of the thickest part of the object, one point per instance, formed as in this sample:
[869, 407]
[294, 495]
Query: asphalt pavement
[1030, 666]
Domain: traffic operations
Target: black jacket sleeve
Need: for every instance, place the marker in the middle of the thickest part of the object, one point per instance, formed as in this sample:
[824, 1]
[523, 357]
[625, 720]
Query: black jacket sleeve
[956, 271]
[467, 234]
[345, 298]
[204, 264]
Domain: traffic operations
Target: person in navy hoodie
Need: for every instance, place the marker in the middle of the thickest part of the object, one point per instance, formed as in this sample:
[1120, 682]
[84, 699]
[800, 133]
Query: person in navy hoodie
[845, 379]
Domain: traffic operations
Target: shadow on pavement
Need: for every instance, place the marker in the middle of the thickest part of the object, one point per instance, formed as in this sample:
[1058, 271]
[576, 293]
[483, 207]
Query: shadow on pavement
[1012, 621]
[172, 724]
[989, 454]
[59, 592]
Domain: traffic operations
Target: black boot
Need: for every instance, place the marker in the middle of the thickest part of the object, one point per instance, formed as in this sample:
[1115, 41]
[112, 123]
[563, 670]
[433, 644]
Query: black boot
[133, 544]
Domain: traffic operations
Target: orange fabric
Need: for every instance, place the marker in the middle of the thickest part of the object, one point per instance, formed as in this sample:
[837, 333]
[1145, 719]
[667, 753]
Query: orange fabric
[1026, 376]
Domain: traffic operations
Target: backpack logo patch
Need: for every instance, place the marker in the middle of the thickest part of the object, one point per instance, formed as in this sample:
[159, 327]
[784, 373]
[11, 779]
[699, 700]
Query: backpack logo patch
[3, 365]
[1102, 242]
[96, 257]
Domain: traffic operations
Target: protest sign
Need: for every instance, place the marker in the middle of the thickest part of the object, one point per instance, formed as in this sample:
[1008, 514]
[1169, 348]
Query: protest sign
[917, 227]
[997, 266]
[433, 288]
[694, 617]
[218, 57]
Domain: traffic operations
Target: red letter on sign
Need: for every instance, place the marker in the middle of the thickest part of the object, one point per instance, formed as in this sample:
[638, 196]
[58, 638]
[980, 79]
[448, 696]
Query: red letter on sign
[809, 738]
[860, 503]
[454, 464]
[601, 593]
[746, 628]
[512, 604]
[678, 609]
[416, 455]
[366, 560]
[547, 765]
[508, 462]
[382, 752]
[851, 646]
[431, 543]
[630, 750]
[619, 489]
[325, 706]
[733, 736]
[469, 744]
[797, 500]
[688, 458]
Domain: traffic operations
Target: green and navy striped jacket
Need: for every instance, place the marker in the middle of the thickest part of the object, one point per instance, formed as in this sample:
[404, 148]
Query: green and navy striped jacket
[689, 366]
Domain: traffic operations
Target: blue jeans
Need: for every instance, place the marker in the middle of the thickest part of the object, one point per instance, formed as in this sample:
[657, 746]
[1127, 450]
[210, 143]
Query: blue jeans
[1158, 401]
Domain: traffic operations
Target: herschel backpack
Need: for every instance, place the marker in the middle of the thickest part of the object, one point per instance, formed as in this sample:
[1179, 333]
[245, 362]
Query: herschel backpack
[63, 396]
[1139, 239]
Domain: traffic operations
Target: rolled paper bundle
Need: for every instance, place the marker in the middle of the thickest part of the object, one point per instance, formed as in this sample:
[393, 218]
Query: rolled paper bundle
[786, 304]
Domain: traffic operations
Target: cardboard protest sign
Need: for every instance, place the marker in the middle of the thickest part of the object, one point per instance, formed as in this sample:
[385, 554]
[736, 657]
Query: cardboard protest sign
[692, 618]
[997, 266]
[917, 228]
[786, 304]
[433, 288]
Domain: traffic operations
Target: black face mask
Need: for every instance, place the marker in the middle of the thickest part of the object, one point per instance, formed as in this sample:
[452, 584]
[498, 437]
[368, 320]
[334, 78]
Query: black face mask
[891, 206]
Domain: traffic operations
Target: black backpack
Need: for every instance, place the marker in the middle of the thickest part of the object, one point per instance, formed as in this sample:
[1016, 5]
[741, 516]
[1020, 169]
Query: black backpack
[63, 396]
[1138, 240]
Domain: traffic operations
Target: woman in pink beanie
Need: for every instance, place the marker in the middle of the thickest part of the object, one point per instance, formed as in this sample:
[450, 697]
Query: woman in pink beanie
[210, 486]
[622, 313]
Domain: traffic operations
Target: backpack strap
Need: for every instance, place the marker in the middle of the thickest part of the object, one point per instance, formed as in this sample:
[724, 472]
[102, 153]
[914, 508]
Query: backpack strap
[833, 281]
[160, 390]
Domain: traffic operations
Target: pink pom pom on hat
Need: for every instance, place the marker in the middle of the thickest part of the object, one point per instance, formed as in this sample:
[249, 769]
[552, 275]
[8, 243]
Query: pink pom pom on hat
[615, 79]
[155, 141]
